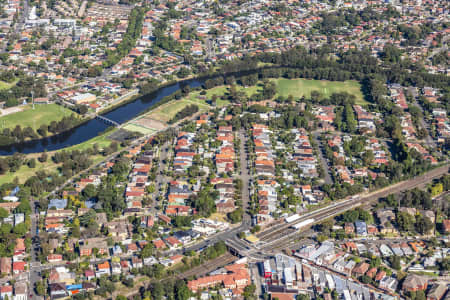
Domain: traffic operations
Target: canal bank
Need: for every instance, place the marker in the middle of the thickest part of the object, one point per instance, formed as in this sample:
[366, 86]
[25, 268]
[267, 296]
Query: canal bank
[125, 111]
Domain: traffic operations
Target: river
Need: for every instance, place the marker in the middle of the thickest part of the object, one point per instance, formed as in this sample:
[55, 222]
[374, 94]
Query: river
[94, 127]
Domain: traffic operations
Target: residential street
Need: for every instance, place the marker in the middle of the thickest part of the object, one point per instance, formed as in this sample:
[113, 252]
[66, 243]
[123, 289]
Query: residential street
[161, 180]
[35, 263]
[245, 176]
[323, 160]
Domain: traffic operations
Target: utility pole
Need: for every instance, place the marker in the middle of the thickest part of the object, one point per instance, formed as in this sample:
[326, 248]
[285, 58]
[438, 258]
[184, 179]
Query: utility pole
[32, 98]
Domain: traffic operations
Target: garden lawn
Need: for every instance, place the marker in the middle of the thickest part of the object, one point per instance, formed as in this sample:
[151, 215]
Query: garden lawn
[42, 114]
[303, 87]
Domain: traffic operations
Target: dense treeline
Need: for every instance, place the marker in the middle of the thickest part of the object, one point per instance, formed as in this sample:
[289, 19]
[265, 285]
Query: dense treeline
[164, 136]
[358, 65]
[185, 112]
[44, 181]
[23, 88]
[442, 58]
[163, 40]
[204, 201]
[134, 29]
[108, 193]
[420, 199]
[19, 134]
[8, 232]
[234, 66]
[11, 163]
[170, 289]
[355, 65]
[8, 76]
[290, 118]
[345, 118]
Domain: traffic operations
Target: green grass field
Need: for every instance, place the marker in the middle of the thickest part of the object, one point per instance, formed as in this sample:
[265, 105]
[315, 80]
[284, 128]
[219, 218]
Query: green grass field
[140, 129]
[166, 112]
[304, 87]
[25, 172]
[5, 85]
[102, 141]
[285, 87]
[42, 114]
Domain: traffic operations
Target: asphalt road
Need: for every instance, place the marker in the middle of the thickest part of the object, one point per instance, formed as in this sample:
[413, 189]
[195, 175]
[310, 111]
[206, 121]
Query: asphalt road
[429, 140]
[245, 176]
[34, 264]
[246, 222]
[323, 161]
[161, 180]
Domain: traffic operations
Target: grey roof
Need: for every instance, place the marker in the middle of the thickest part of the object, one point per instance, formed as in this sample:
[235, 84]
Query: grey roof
[340, 284]
[58, 203]
[324, 248]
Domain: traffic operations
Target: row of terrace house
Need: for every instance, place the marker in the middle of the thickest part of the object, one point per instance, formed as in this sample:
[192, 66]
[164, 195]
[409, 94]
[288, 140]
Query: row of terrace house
[366, 121]
[138, 180]
[264, 161]
[304, 154]
[184, 152]
[179, 192]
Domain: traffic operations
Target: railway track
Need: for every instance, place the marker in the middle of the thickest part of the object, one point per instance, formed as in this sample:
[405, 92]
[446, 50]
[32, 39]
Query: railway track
[278, 233]
[281, 234]
[198, 271]
[208, 267]
[284, 228]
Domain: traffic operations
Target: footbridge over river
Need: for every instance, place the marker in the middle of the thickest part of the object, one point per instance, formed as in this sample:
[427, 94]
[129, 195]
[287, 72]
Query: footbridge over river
[107, 121]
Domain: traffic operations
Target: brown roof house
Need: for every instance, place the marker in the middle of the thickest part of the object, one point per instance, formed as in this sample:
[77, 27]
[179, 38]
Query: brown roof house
[349, 228]
[5, 265]
[437, 292]
[446, 225]
[414, 283]
[93, 243]
[360, 269]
